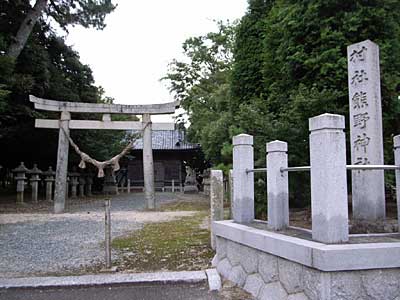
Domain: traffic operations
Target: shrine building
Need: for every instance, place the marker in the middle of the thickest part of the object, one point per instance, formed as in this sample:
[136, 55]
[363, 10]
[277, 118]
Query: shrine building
[170, 151]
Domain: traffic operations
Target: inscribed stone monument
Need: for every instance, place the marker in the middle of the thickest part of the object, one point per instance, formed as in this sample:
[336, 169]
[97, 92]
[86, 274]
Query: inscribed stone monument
[368, 190]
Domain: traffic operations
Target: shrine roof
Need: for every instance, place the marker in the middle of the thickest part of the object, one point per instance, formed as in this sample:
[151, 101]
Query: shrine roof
[167, 140]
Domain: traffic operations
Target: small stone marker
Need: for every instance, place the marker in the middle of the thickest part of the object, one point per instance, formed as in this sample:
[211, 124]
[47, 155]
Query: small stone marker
[216, 200]
[368, 187]
[328, 179]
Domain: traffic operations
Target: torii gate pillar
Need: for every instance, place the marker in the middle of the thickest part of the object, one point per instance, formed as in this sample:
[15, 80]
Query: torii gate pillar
[61, 185]
[148, 164]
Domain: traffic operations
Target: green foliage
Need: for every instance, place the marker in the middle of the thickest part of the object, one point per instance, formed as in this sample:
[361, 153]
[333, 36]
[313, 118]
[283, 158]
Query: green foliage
[289, 64]
[202, 85]
[47, 68]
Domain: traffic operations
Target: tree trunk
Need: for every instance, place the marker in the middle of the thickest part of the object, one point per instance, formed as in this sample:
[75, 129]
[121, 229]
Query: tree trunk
[25, 29]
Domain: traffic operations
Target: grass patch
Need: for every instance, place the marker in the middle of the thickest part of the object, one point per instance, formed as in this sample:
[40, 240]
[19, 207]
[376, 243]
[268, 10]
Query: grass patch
[184, 205]
[176, 245]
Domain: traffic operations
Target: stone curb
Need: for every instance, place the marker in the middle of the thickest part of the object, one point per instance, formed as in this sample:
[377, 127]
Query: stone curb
[104, 279]
[214, 280]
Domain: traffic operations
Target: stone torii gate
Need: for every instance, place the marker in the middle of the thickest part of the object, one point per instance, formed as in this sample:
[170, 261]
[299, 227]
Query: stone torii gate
[64, 124]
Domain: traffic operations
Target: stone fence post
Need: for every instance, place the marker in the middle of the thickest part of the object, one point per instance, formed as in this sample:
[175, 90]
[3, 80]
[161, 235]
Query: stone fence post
[243, 182]
[277, 185]
[328, 179]
[230, 179]
[216, 201]
[396, 146]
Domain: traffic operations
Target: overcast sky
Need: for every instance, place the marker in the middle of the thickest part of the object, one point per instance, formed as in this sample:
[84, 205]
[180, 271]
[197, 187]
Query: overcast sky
[131, 54]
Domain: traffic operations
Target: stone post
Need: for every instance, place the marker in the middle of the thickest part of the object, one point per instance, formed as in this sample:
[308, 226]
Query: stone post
[277, 185]
[328, 179]
[216, 201]
[49, 174]
[396, 145]
[128, 185]
[20, 172]
[230, 179]
[74, 184]
[148, 164]
[89, 182]
[34, 179]
[60, 193]
[173, 185]
[243, 182]
[368, 187]
[82, 183]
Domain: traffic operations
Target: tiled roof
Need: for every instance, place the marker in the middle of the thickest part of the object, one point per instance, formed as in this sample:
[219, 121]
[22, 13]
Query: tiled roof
[167, 140]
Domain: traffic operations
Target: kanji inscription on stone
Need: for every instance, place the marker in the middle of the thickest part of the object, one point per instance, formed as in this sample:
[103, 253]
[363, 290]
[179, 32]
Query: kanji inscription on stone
[368, 192]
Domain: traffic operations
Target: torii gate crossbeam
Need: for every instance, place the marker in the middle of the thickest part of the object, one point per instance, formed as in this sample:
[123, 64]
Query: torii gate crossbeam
[64, 124]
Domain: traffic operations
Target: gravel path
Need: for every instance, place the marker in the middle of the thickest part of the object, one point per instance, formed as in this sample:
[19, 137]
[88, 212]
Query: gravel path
[39, 244]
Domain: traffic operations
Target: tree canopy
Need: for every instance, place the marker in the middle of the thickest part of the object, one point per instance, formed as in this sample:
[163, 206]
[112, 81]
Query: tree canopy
[88, 13]
[47, 68]
[288, 64]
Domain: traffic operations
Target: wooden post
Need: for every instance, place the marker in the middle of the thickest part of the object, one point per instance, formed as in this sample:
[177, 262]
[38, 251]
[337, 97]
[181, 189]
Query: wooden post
[62, 164]
[148, 164]
[107, 218]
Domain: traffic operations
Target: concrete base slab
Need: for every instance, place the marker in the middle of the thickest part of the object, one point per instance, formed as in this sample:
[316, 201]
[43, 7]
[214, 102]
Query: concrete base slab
[91, 280]
[324, 257]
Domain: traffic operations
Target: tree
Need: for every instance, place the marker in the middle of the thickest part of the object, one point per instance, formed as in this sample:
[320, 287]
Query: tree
[201, 82]
[65, 12]
[47, 68]
[290, 65]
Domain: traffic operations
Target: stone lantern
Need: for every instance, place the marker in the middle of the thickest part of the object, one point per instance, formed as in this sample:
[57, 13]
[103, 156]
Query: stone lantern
[74, 183]
[110, 184]
[49, 183]
[20, 172]
[67, 186]
[82, 183]
[89, 182]
[34, 179]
